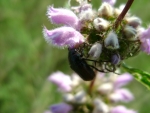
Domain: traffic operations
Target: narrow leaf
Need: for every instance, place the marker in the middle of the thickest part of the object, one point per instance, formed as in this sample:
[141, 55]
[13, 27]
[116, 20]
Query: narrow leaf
[141, 76]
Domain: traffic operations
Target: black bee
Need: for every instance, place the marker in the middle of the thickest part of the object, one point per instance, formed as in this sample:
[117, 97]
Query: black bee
[79, 65]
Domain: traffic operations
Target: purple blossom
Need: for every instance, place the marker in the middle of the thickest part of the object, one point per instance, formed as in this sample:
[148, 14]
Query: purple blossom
[63, 36]
[61, 80]
[144, 37]
[111, 2]
[123, 95]
[145, 46]
[121, 109]
[63, 16]
[61, 108]
[145, 34]
[115, 59]
[122, 80]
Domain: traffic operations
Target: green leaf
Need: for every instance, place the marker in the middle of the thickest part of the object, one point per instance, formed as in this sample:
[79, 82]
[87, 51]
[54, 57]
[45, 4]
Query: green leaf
[141, 76]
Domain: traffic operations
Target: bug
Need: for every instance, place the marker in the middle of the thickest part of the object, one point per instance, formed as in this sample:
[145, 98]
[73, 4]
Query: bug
[79, 65]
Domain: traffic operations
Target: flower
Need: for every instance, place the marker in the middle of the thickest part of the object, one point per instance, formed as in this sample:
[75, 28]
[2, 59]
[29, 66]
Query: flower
[122, 80]
[115, 59]
[130, 32]
[105, 10]
[122, 94]
[146, 46]
[63, 36]
[100, 106]
[111, 40]
[63, 16]
[121, 109]
[100, 24]
[145, 34]
[78, 98]
[111, 2]
[144, 37]
[134, 21]
[86, 15]
[95, 50]
[61, 108]
[61, 80]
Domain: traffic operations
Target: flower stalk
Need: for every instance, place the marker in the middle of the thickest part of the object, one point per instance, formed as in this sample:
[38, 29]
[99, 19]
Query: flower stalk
[92, 84]
[123, 13]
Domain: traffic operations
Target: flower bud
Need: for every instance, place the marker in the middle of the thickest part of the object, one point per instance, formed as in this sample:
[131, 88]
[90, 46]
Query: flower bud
[130, 32]
[68, 97]
[111, 2]
[134, 21]
[105, 88]
[100, 24]
[100, 106]
[87, 15]
[76, 80]
[123, 95]
[115, 59]
[80, 97]
[61, 80]
[105, 10]
[122, 80]
[95, 50]
[61, 108]
[111, 41]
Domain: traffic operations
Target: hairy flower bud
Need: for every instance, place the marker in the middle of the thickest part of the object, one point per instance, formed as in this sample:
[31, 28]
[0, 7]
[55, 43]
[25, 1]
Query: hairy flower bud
[61, 108]
[80, 97]
[122, 80]
[105, 88]
[134, 21]
[61, 80]
[100, 24]
[111, 41]
[130, 32]
[87, 15]
[100, 106]
[115, 59]
[95, 50]
[123, 95]
[105, 10]
[111, 2]
[68, 97]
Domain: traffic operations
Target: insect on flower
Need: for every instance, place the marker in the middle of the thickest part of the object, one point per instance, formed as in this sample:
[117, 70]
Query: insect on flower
[79, 65]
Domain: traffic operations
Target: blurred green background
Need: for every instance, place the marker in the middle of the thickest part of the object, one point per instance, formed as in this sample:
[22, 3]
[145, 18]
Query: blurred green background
[26, 59]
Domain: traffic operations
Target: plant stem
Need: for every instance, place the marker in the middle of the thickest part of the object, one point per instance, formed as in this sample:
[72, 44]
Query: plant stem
[123, 13]
[92, 84]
